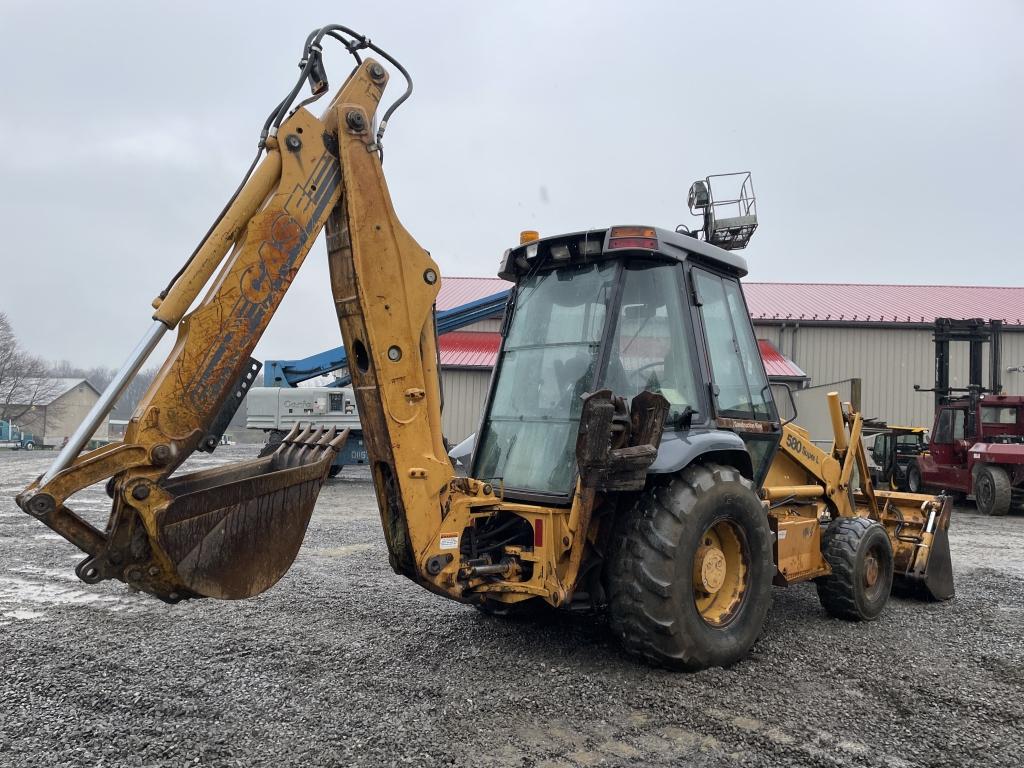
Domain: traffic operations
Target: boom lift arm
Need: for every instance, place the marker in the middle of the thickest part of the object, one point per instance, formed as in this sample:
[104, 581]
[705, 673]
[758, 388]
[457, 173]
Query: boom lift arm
[233, 532]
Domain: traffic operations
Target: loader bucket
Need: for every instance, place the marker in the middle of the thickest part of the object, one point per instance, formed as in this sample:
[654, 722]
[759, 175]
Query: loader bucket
[918, 530]
[232, 532]
[937, 583]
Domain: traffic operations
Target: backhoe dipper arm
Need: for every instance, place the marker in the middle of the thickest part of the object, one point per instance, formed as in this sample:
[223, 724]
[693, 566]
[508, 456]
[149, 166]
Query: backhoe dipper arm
[190, 535]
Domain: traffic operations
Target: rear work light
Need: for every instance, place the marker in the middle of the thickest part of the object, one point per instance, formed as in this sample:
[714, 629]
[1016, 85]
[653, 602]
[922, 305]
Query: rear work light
[633, 237]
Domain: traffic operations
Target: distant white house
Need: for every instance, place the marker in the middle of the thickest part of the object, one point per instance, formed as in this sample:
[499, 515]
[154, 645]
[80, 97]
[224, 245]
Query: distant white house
[59, 406]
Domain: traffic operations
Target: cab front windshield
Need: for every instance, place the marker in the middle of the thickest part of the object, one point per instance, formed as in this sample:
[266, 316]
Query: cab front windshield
[549, 361]
[551, 357]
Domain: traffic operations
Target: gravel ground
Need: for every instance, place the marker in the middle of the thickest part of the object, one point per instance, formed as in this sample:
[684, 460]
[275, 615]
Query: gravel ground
[344, 663]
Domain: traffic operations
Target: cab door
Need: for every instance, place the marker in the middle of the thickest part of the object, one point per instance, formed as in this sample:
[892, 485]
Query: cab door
[739, 386]
[881, 456]
[945, 465]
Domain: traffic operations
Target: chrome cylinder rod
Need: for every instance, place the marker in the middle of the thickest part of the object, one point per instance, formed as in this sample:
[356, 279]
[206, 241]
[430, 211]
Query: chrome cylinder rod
[110, 396]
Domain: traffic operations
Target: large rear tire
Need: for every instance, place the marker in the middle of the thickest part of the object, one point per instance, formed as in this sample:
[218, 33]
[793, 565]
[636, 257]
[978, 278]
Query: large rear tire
[690, 582]
[992, 491]
[860, 555]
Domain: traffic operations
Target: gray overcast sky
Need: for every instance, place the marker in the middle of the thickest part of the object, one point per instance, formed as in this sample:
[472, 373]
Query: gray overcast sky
[885, 139]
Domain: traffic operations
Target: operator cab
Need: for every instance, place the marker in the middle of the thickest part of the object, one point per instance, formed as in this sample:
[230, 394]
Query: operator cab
[628, 308]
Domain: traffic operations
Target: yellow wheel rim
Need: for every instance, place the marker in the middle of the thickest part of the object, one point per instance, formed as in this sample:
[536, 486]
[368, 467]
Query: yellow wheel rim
[720, 568]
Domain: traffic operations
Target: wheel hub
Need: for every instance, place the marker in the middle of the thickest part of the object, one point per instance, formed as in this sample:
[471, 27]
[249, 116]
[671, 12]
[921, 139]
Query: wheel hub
[710, 569]
[720, 572]
[870, 570]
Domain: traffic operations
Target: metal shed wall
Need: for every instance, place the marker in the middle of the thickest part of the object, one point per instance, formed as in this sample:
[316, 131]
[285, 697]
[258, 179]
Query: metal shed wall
[465, 391]
[889, 362]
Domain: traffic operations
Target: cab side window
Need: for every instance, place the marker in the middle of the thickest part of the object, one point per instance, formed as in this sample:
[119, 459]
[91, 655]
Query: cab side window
[959, 417]
[880, 449]
[950, 427]
[740, 385]
[944, 428]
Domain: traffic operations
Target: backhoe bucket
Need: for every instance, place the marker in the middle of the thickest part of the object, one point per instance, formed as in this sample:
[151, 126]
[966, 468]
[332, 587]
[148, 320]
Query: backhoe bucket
[232, 532]
[918, 530]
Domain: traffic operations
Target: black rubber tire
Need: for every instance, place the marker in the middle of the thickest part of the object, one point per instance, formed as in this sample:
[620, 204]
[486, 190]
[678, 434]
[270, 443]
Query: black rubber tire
[843, 593]
[30, 446]
[992, 491]
[1017, 500]
[913, 483]
[650, 579]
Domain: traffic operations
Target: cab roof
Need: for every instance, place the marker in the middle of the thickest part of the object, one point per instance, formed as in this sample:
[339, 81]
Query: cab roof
[597, 244]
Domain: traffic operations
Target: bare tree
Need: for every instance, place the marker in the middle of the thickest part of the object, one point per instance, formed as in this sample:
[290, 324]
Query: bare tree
[136, 388]
[25, 380]
[100, 377]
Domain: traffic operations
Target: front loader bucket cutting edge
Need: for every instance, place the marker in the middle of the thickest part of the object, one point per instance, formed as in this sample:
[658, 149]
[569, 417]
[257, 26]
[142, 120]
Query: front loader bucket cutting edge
[925, 569]
[937, 582]
[233, 532]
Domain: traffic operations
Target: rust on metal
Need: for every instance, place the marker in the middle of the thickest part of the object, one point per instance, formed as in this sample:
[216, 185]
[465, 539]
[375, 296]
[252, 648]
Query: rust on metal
[232, 532]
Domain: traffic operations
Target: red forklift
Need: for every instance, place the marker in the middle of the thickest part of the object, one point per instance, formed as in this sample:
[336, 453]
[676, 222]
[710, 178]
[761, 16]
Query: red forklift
[977, 444]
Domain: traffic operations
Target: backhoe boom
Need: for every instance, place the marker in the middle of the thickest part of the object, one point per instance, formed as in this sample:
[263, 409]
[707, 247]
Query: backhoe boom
[233, 532]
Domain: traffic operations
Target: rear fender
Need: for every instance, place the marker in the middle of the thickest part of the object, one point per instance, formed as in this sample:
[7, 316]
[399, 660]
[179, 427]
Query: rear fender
[680, 449]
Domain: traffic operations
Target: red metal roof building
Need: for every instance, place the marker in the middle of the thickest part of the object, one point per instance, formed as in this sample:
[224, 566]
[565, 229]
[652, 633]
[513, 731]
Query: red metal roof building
[470, 349]
[777, 365]
[867, 303]
[456, 291]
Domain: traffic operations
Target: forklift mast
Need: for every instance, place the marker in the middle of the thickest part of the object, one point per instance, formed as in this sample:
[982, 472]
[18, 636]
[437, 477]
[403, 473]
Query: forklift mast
[976, 332]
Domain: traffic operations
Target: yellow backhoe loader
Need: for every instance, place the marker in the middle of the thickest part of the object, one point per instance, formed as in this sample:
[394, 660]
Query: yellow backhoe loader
[629, 457]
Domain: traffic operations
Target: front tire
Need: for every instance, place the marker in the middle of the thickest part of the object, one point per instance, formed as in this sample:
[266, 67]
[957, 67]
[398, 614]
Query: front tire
[992, 491]
[914, 484]
[860, 555]
[690, 585]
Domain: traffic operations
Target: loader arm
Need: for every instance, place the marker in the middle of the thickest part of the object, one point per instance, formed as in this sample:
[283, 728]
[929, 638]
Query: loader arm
[805, 480]
[232, 532]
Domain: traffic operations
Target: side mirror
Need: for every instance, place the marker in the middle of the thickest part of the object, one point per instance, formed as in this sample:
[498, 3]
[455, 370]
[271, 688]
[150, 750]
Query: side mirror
[785, 404]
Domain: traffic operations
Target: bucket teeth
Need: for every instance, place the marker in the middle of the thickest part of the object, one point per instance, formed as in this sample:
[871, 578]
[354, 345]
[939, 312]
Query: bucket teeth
[339, 440]
[304, 445]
